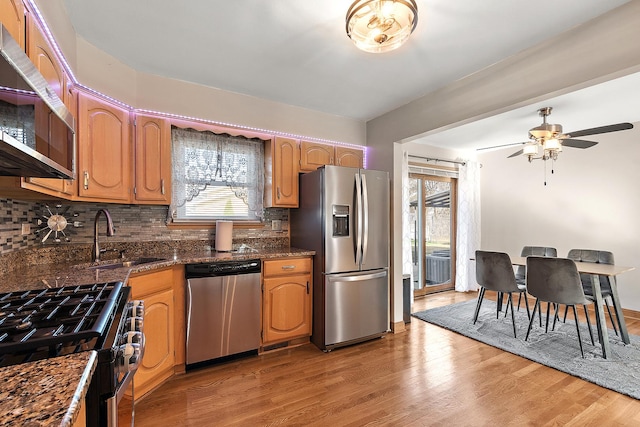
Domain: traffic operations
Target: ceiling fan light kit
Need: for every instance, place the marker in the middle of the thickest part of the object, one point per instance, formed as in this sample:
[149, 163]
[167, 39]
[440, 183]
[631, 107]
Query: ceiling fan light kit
[550, 138]
[381, 25]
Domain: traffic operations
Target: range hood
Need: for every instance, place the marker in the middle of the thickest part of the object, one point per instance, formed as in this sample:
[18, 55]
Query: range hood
[37, 136]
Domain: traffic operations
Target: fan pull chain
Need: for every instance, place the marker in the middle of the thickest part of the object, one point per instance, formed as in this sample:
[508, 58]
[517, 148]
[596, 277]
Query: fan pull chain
[545, 174]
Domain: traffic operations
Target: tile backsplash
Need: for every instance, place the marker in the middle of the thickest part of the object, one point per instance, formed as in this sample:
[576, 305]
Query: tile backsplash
[133, 223]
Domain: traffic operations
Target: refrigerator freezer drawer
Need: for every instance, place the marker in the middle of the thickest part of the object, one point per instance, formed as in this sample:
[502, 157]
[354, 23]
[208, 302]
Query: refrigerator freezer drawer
[356, 306]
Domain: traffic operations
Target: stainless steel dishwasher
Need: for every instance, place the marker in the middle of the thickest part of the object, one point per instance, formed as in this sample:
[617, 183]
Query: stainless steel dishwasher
[223, 309]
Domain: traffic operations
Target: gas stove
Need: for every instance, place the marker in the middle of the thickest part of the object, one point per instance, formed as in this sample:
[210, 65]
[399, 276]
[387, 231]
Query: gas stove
[45, 323]
[54, 322]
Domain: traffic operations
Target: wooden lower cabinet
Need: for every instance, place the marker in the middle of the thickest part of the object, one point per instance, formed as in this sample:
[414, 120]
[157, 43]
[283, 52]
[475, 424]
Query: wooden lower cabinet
[286, 300]
[162, 292]
[81, 421]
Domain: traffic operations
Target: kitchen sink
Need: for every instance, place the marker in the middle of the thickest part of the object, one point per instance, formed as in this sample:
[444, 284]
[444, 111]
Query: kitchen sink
[127, 263]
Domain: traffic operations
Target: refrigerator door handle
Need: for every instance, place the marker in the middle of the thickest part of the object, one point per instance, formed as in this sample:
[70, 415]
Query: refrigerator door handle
[358, 220]
[356, 278]
[365, 219]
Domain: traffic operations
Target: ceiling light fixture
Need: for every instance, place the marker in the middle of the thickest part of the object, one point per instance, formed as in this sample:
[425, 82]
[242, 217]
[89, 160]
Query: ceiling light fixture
[381, 25]
[551, 139]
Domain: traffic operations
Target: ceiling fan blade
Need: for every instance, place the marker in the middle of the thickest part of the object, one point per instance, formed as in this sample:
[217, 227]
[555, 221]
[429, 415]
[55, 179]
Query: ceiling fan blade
[517, 153]
[578, 143]
[602, 129]
[500, 146]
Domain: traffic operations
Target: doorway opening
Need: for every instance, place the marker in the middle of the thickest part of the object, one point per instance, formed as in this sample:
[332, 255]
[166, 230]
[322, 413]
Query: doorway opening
[432, 210]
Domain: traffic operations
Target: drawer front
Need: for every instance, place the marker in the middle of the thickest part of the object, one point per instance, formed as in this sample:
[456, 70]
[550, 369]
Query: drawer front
[147, 283]
[286, 266]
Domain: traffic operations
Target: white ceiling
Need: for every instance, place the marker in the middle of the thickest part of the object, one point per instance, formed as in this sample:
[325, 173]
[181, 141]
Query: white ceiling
[612, 102]
[297, 52]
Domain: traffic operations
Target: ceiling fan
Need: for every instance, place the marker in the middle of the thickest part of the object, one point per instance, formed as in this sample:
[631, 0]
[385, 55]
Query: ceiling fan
[550, 139]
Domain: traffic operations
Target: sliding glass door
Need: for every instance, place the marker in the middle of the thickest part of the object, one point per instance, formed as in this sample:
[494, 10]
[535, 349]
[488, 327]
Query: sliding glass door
[433, 219]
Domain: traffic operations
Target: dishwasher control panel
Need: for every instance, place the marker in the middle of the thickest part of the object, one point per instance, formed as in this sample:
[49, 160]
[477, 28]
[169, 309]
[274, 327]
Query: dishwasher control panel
[223, 268]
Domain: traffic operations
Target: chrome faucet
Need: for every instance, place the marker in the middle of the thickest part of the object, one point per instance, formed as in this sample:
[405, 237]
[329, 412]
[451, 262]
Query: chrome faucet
[95, 252]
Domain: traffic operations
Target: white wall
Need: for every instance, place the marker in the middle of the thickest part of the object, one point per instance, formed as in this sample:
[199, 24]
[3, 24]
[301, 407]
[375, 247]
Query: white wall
[101, 72]
[592, 201]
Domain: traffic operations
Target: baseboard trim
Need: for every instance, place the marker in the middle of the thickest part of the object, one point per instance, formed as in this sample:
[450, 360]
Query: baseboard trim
[398, 327]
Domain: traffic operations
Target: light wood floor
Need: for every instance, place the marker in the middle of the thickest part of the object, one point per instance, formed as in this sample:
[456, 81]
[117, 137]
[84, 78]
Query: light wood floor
[427, 376]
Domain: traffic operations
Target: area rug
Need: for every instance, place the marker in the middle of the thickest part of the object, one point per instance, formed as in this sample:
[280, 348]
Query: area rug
[557, 349]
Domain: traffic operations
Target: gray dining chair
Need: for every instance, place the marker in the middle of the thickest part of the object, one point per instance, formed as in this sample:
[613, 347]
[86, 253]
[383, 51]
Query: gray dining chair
[598, 257]
[521, 271]
[495, 273]
[555, 281]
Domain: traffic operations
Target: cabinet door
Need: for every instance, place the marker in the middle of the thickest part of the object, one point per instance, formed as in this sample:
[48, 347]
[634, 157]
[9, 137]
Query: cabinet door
[104, 151]
[287, 308]
[351, 157]
[153, 160]
[42, 55]
[13, 18]
[158, 290]
[159, 356]
[281, 159]
[313, 155]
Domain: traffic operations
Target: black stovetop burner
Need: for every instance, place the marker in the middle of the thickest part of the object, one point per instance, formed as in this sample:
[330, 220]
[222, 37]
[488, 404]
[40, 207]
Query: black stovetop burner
[55, 321]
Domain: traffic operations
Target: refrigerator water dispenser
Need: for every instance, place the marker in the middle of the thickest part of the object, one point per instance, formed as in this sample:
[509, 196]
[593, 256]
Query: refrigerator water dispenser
[340, 221]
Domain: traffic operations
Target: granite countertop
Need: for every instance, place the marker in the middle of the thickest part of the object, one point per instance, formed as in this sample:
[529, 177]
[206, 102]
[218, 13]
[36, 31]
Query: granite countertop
[54, 275]
[46, 392]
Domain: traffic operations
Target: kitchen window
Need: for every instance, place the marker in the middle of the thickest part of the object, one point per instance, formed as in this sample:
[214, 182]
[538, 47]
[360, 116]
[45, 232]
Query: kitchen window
[216, 176]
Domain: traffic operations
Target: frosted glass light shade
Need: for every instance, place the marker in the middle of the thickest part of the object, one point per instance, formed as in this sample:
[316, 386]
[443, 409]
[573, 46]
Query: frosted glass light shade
[552, 144]
[381, 25]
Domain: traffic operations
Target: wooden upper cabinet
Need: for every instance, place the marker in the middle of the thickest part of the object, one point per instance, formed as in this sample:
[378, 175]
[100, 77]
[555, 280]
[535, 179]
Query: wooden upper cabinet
[63, 188]
[281, 173]
[42, 55]
[152, 160]
[104, 151]
[351, 157]
[12, 16]
[314, 154]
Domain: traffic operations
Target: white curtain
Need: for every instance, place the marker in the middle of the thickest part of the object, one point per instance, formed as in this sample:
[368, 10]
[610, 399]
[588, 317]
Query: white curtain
[407, 261]
[200, 159]
[468, 233]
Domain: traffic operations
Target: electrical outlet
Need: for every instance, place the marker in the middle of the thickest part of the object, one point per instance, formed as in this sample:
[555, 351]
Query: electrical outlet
[26, 228]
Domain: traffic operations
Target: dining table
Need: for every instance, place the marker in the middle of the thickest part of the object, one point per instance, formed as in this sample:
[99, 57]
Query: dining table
[595, 270]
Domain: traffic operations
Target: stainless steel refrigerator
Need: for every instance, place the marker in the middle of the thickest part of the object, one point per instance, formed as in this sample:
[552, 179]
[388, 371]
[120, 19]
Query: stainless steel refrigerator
[344, 217]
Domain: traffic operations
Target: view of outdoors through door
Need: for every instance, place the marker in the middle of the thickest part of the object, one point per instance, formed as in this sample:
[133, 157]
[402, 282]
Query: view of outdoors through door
[432, 222]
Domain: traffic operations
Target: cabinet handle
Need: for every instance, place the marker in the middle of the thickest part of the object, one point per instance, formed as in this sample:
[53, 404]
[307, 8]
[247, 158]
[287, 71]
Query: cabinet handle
[162, 186]
[278, 192]
[307, 287]
[86, 180]
[288, 267]
[330, 160]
